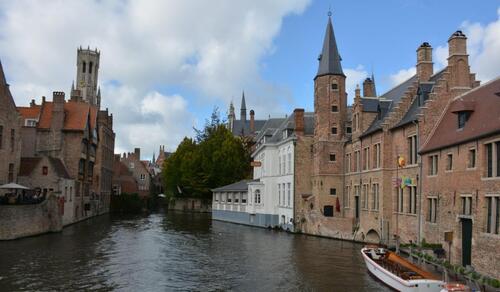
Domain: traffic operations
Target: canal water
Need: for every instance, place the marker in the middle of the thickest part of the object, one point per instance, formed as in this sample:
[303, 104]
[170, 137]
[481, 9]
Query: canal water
[179, 252]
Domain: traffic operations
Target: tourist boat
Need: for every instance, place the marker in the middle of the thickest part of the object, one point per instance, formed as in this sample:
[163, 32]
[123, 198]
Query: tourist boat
[397, 272]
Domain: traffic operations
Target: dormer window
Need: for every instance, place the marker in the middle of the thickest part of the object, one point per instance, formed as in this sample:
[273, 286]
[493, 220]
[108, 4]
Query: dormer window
[285, 134]
[462, 118]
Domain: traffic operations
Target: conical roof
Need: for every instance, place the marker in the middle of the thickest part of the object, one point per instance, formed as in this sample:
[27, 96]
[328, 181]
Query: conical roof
[329, 60]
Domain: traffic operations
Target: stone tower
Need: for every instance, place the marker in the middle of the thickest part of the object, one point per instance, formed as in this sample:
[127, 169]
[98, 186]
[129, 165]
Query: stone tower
[87, 65]
[330, 112]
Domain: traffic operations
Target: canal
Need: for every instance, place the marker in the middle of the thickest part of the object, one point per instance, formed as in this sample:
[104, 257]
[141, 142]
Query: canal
[179, 252]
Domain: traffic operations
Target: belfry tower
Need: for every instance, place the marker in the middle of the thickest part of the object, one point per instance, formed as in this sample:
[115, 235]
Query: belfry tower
[330, 112]
[87, 64]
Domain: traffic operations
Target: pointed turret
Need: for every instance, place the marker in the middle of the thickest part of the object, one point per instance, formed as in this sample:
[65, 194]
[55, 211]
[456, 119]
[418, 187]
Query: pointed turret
[243, 110]
[231, 116]
[329, 59]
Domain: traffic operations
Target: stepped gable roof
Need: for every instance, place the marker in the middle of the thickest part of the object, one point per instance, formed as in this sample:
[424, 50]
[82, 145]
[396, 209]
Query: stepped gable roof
[243, 127]
[483, 103]
[370, 104]
[424, 89]
[76, 115]
[329, 60]
[387, 102]
[241, 186]
[29, 112]
[28, 164]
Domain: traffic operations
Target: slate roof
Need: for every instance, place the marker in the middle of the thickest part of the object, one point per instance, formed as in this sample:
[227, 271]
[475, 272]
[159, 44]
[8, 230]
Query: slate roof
[424, 89]
[75, 115]
[269, 127]
[289, 123]
[484, 120]
[240, 186]
[329, 60]
[243, 127]
[387, 102]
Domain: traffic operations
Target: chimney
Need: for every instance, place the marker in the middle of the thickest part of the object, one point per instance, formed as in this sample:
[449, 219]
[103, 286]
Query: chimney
[368, 88]
[32, 103]
[137, 153]
[117, 157]
[458, 61]
[43, 99]
[299, 121]
[57, 110]
[424, 62]
[252, 121]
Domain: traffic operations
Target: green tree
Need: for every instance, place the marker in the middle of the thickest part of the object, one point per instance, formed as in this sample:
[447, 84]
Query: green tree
[214, 159]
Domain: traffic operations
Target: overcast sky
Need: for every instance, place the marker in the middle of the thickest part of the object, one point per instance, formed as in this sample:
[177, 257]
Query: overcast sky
[166, 64]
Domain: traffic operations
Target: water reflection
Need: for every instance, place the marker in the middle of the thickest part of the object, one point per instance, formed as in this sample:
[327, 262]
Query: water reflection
[179, 251]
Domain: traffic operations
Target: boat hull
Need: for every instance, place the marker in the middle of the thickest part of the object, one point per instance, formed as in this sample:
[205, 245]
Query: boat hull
[395, 282]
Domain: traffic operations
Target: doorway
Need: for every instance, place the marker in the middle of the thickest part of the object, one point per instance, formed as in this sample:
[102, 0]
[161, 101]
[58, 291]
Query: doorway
[466, 241]
[356, 200]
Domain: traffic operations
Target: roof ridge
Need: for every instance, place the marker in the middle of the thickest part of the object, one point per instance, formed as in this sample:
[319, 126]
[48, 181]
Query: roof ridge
[396, 86]
[476, 88]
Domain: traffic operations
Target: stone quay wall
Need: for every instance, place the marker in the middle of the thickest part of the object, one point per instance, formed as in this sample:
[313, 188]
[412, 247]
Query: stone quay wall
[28, 220]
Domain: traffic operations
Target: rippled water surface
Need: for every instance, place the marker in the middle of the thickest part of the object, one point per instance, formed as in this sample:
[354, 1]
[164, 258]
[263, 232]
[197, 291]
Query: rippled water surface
[179, 252]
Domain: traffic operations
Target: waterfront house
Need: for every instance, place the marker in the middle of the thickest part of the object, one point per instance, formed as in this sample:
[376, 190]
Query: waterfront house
[461, 180]
[10, 134]
[268, 199]
[48, 176]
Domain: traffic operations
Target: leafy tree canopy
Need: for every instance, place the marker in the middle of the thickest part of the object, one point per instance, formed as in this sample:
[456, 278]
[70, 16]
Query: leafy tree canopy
[213, 159]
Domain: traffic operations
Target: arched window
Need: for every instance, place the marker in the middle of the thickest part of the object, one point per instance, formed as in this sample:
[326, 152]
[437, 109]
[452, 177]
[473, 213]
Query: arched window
[84, 67]
[90, 67]
[257, 196]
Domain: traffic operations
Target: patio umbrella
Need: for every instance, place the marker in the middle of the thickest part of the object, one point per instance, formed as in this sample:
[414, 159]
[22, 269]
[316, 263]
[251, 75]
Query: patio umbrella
[13, 186]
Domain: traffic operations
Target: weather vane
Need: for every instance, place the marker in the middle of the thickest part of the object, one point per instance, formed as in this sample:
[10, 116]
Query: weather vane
[329, 11]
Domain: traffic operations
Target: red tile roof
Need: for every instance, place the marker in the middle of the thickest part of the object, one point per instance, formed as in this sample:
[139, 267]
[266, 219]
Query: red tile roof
[75, 115]
[483, 103]
[29, 112]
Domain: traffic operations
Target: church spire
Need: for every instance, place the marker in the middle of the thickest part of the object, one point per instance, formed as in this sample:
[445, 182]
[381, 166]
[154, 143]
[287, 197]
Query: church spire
[243, 111]
[329, 59]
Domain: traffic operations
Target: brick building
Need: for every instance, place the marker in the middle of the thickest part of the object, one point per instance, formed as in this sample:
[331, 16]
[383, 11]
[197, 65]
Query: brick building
[10, 134]
[365, 160]
[123, 179]
[77, 133]
[139, 170]
[461, 179]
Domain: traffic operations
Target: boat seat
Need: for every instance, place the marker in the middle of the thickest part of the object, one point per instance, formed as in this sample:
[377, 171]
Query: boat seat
[374, 255]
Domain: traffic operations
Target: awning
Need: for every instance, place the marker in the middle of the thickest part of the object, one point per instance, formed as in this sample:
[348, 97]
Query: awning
[13, 186]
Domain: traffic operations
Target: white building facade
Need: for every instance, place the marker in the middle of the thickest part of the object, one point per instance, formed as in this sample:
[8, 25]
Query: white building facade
[269, 197]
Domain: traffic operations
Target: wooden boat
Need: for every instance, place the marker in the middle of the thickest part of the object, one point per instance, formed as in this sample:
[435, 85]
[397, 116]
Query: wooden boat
[399, 273]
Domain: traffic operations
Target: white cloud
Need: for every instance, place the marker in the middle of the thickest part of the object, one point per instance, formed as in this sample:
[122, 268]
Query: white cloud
[212, 48]
[484, 47]
[401, 75]
[354, 77]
